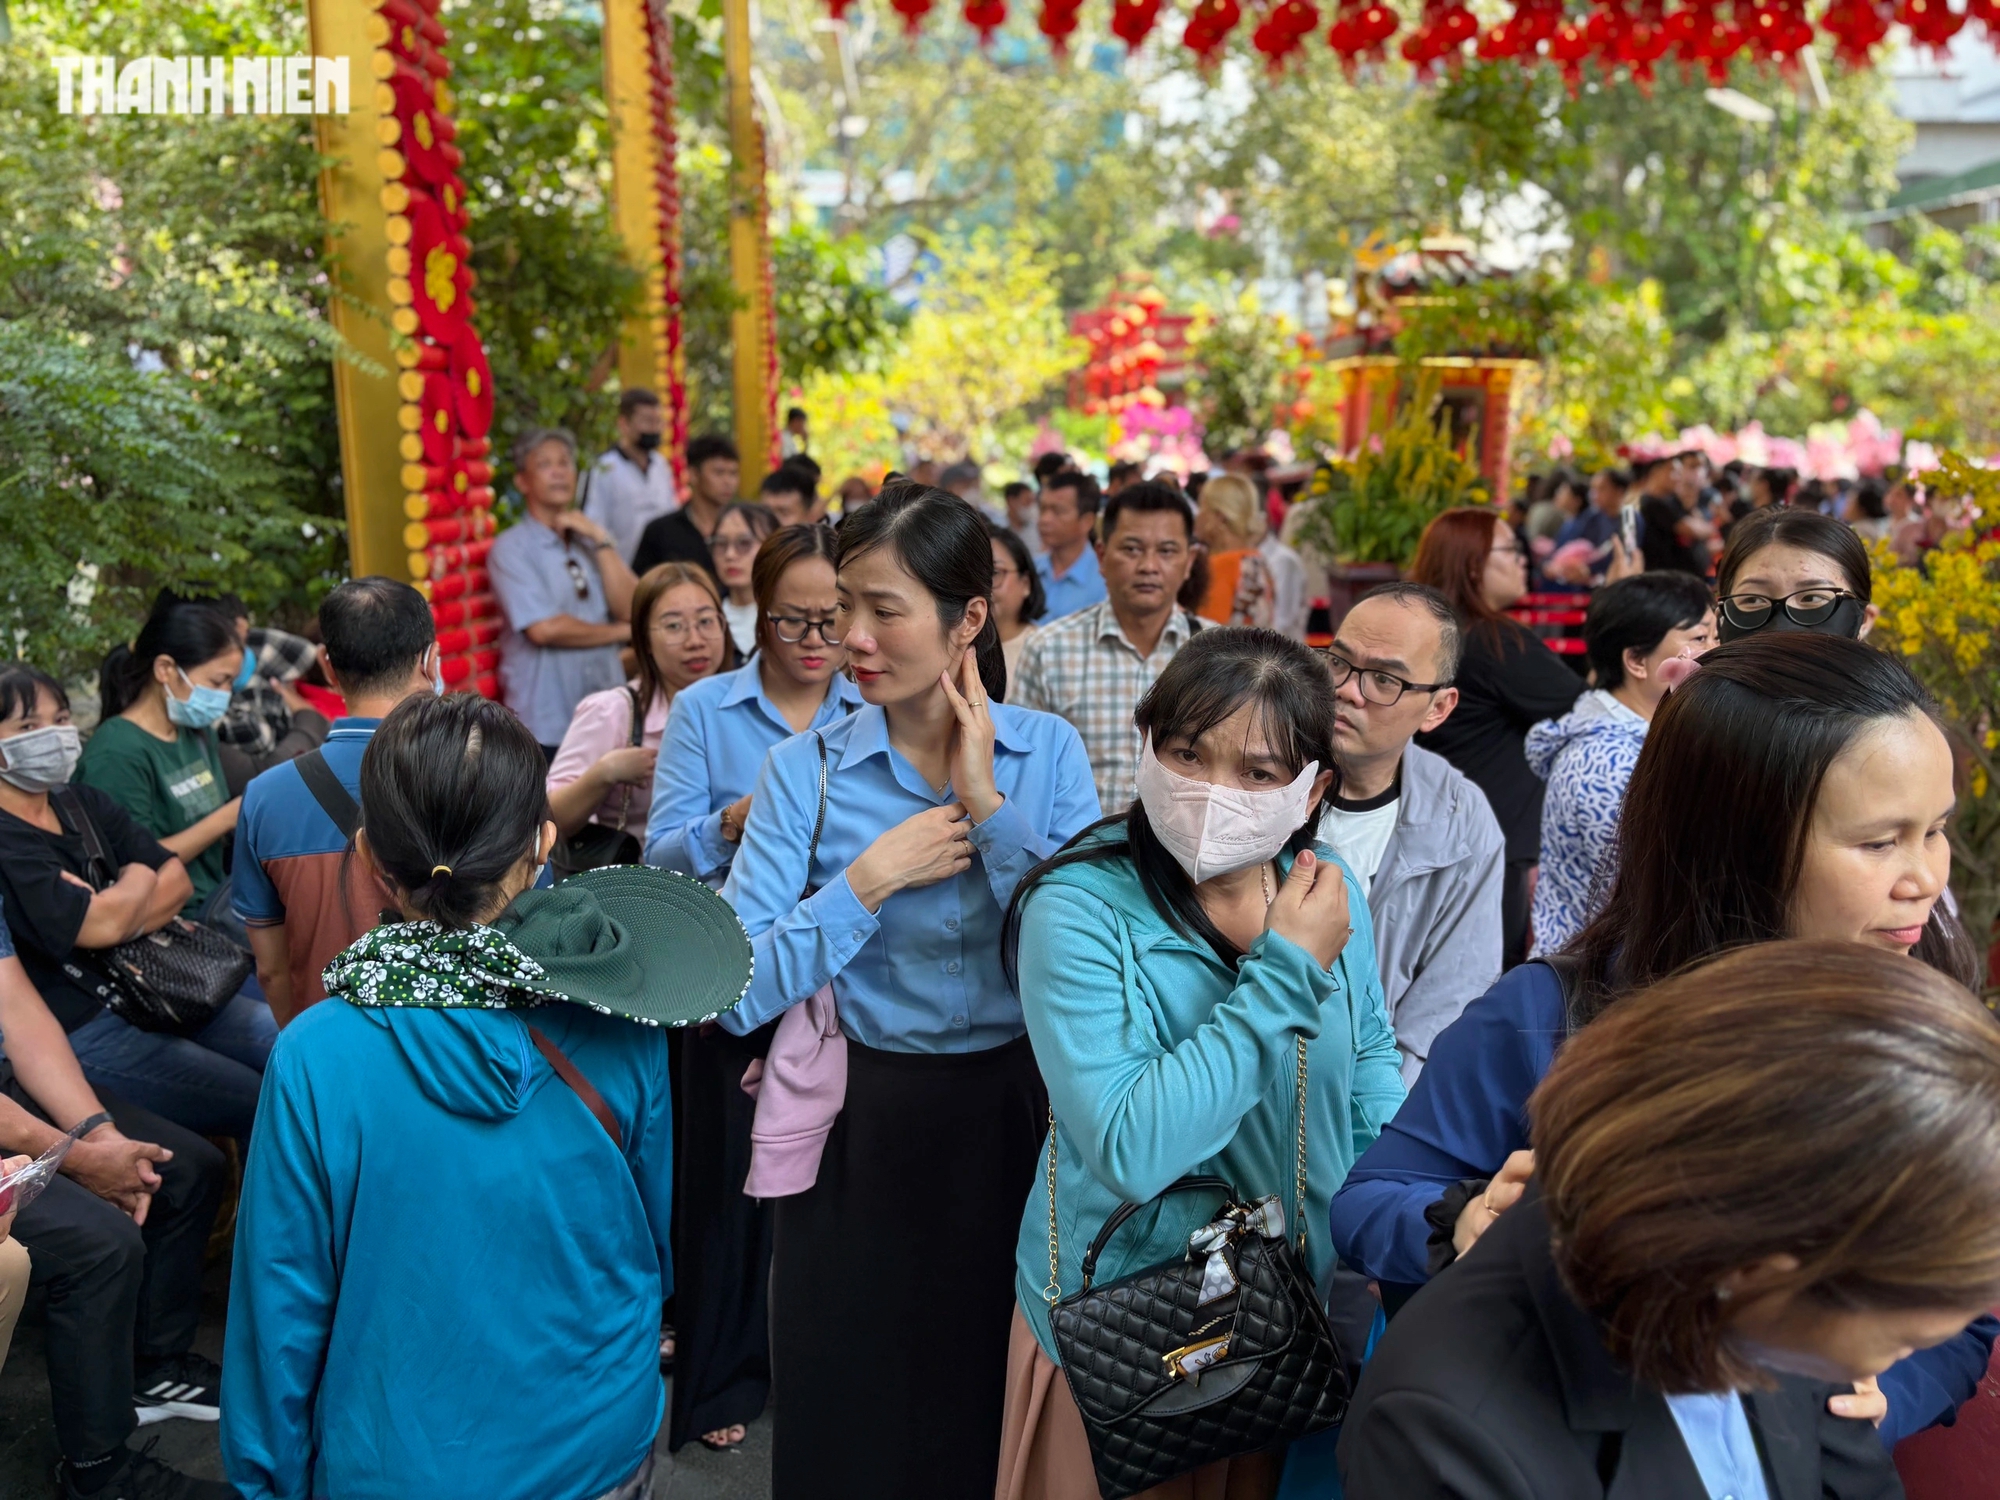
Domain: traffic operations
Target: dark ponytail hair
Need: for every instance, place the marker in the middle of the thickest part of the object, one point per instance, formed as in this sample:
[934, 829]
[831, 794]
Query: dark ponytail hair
[1211, 677]
[1714, 829]
[191, 631]
[454, 782]
[943, 543]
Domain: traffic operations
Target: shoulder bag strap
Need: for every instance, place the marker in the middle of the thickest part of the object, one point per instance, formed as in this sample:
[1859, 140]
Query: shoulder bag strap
[585, 1090]
[334, 799]
[1193, 622]
[632, 739]
[819, 823]
[101, 867]
[1053, 1291]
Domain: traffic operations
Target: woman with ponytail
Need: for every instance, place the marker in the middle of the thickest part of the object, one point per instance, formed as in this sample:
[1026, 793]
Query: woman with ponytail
[892, 1279]
[154, 752]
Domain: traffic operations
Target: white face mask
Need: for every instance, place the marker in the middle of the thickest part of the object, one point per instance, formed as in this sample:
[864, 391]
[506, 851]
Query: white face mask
[1214, 830]
[40, 759]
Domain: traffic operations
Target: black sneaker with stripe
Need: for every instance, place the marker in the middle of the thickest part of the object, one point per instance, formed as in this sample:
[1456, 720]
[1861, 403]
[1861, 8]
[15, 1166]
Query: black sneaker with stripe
[188, 1385]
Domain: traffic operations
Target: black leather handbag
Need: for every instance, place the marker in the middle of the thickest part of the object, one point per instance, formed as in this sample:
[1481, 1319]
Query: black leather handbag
[174, 980]
[596, 845]
[1223, 1351]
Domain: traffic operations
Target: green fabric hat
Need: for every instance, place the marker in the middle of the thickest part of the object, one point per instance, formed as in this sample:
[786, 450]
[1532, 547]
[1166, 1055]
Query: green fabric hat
[633, 941]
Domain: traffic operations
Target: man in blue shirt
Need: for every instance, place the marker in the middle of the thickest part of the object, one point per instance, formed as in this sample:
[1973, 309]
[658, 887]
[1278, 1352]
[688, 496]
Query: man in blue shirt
[565, 590]
[301, 894]
[1069, 566]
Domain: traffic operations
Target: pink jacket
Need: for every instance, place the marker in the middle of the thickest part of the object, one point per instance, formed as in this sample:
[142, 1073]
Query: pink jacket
[799, 1087]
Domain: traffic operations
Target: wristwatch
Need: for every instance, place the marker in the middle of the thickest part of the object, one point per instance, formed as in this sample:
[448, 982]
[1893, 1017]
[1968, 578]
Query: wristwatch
[84, 1127]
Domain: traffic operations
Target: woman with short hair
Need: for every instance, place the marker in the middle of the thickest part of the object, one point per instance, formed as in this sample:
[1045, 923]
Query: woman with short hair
[1643, 634]
[1771, 1177]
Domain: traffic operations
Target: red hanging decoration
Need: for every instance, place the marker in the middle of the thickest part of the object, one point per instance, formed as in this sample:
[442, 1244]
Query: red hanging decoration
[1209, 25]
[1987, 14]
[1442, 30]
[1857, 27]
[1777, 31]
[1057, 21]
[1932, 23]
[913, 13]
[1363, 29]
[1132, 21]
[986, 17]
[1284, 30]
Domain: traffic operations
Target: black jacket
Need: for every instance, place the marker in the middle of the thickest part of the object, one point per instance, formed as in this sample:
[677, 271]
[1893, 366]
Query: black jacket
[1508, 681]
[1494, 1385]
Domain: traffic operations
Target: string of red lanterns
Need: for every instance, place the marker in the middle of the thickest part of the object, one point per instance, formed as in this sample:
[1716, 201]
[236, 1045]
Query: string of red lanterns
[1636, 35]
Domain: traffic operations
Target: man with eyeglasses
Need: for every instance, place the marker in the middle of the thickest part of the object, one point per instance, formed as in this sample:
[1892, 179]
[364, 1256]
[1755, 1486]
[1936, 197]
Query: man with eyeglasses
[565, 590]
[1092, 667]
[1419, 836]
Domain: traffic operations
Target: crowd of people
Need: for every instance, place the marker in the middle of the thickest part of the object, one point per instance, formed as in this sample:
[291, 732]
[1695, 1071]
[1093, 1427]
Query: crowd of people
[875, 929]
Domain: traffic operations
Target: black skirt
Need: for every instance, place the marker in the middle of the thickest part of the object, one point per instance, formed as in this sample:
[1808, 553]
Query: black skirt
[722, 1243]
[893, 1281]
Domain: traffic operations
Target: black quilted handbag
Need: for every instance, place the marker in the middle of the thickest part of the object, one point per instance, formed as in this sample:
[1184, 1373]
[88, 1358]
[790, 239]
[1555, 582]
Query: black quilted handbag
[175, 980]
[1223, 1351]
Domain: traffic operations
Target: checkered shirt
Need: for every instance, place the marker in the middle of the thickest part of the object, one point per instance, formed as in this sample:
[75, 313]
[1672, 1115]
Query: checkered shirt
[1083, 669]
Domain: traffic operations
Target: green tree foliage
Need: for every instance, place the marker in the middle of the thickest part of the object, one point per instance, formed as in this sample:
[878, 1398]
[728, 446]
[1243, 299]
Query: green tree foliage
[1668, 187]
[1247, 365]
[833, 314]
[169, 366]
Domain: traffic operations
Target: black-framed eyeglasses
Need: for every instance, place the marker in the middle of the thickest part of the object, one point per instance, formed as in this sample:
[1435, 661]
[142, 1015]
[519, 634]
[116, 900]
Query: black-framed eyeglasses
[1383, 689]
[578, 577]
[792, 630]
[1806, 607]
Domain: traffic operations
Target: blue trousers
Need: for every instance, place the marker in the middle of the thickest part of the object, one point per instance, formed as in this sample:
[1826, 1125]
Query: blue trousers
[207, 1083]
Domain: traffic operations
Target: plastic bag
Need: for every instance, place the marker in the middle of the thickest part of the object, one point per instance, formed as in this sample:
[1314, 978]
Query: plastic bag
[21, 1188]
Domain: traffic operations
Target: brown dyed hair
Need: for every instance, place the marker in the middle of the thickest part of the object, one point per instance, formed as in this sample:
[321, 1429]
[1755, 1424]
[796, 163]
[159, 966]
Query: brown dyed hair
[654, 587]
[782, 548]
[1829, 1101]
[1451, 558]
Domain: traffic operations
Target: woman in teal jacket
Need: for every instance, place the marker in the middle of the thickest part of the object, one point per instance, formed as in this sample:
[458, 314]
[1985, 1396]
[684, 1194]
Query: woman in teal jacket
[1168, 962]
[453, 1239]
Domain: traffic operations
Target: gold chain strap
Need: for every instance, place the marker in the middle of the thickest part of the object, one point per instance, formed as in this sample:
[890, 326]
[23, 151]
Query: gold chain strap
[1300, 1201]
[1053, 1291]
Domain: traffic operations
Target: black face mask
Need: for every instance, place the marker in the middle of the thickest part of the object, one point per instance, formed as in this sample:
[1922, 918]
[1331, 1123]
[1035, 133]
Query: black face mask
[646, 442]
[1844, 618]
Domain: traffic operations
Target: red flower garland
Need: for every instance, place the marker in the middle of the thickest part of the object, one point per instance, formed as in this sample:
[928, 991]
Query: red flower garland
[445, 381]
[668, 329]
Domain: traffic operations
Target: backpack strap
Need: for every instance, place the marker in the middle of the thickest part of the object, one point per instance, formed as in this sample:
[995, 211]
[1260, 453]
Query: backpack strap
[1194, 624]
[333, 798]
[585, 1090]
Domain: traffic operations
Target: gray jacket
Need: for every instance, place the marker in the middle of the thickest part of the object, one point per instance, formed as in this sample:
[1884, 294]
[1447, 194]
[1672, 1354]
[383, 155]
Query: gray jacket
[1435, 902]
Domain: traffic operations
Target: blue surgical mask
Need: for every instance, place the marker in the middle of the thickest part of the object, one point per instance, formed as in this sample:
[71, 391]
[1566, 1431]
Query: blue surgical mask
[201, 708]
[246, 673]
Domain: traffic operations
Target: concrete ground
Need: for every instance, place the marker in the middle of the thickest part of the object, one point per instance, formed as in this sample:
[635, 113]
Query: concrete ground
[28, 1444]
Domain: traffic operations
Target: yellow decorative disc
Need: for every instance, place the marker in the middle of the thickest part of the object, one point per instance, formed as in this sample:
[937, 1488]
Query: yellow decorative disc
[395, 197]
[414, 476]
[399, 291]
[390, 163]
[421, 129]
[420, 565]
[396, 230]
[382, 64]
[440, 271]
[399, 260]
[388, 129]
[416, 507]
[409, 418]
[377, 28]
[410, 446]
[404, 320]
[410, 386]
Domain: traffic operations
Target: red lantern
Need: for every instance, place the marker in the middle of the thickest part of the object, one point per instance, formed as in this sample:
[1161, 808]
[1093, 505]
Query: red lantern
[987, 17]
[1132, 21]
[1932, 23]
[1567, 49]
[1209, 25]
[1857, 27]
[1777, 30]
[1057, 21]
[1442, 30]
[1363, 29]
[1284, 30]
[913, 13]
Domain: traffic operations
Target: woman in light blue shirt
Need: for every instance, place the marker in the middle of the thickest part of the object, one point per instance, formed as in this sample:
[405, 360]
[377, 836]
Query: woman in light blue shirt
[716, 738]
[1172, 965]
[892, 1277]
[720, 730]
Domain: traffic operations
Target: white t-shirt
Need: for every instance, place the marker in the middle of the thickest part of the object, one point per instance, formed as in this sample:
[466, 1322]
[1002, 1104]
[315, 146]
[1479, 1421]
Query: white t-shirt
[1360, 835]
[742, 620]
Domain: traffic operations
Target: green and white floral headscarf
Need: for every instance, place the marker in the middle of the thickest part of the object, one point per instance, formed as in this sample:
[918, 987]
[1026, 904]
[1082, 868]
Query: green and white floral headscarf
[438, 968]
